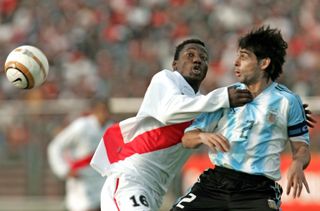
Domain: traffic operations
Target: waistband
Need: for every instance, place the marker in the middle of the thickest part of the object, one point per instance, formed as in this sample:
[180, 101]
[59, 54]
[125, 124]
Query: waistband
[230, 173]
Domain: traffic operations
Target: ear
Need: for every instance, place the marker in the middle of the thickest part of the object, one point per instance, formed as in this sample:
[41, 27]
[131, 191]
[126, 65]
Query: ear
[174, 65]
[264, 63]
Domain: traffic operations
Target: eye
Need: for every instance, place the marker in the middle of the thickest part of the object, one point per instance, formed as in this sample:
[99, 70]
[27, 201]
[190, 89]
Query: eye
[190, 54]
[243, 56]
[204, 58]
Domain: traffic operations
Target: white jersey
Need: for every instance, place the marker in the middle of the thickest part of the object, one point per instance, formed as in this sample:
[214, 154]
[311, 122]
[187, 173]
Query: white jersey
[148, 147]
[258, 131]
[73, 148]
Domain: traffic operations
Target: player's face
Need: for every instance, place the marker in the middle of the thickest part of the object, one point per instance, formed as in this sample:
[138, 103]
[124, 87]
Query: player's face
[192, 62]
[247, 67]
[101, 112]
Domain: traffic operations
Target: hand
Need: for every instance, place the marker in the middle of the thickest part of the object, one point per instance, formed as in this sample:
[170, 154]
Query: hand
[239, 97]
[215, 141]
[296, 179]
[310, 121]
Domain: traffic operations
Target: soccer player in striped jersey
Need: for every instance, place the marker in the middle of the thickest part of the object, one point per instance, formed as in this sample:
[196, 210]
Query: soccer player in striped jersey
[246, 141]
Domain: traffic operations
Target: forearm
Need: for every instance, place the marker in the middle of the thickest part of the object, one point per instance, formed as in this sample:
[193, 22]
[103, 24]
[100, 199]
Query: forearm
[301, 154]
[55, 158]
[181, 108]
[57, 150]
[295, 174]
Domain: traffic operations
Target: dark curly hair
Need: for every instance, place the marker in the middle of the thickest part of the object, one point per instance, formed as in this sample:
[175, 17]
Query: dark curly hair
[266, 42]
[184, 43]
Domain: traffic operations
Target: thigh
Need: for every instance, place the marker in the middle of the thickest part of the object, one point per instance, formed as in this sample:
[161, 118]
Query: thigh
[262, 197]
[201, 198]
[119, 193]
[263, 204]
[135, 199]
[107, 195]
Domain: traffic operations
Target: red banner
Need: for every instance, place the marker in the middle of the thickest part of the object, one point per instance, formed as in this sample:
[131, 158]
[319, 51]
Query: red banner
[311, 202]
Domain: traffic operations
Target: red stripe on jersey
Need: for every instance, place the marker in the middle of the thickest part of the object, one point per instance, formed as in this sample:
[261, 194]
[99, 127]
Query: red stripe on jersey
[149, 141]
[81, 163]
[114, 198]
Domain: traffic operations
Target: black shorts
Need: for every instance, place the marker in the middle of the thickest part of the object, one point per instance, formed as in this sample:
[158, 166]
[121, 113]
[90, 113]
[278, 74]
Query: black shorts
[225, 189]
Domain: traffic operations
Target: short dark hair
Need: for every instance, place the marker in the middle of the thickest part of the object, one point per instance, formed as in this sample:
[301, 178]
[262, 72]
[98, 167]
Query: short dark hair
[184, 43]
[96, 101]
[266, 42]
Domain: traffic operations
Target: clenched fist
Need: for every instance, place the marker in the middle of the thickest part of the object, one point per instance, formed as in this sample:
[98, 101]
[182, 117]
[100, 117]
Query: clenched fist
[239, 97]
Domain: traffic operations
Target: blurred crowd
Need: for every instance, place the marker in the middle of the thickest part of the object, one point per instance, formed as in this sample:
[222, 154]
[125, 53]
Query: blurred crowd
[111, 48]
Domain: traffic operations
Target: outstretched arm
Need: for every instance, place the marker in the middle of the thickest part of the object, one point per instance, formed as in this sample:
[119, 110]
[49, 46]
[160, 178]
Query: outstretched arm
[170, 103]
[179, 108]
[295, 175]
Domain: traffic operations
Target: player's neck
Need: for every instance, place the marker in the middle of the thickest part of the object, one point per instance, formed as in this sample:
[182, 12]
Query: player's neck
[258, 87]
[194, 84]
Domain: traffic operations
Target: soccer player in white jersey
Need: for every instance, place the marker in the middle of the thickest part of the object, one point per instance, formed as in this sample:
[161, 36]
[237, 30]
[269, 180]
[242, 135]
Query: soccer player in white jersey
[246, 153]
[69, 155]
[141, 155]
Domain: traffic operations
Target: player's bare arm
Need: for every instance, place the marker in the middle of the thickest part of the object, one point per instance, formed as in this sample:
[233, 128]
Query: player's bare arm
[300, 160]
[310, 121]
[214, 141]
[239, 97]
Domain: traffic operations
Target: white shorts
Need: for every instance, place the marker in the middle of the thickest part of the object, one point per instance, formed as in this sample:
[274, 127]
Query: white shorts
[119, 193]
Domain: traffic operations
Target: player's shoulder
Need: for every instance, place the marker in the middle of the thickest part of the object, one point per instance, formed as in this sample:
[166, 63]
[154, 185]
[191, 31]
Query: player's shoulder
[165, 77]
[285, 92]
[165, 73]
[81, 122]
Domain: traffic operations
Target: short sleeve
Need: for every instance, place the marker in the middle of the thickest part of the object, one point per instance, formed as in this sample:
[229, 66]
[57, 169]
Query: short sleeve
[206, 122]
[297, 124]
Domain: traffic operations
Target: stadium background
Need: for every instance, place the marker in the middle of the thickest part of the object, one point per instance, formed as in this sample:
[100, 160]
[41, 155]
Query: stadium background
[111, 49]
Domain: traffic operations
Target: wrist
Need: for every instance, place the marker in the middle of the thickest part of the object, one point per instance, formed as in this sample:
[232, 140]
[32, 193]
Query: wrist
[298, 163]
[202, 138]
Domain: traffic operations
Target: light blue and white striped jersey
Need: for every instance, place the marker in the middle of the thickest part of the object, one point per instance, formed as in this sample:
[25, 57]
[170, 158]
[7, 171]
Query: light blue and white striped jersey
[257, 131]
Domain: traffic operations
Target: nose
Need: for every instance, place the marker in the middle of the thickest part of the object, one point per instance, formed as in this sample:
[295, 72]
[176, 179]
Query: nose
[197, 59]
[236, 62]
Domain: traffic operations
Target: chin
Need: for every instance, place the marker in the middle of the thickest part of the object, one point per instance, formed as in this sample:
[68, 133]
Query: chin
[241, 80]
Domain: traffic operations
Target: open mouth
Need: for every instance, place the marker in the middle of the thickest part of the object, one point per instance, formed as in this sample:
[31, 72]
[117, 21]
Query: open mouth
[196, 69]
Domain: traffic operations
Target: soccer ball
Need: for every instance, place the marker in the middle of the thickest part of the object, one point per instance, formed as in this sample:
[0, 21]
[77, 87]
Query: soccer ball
[26, 67]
